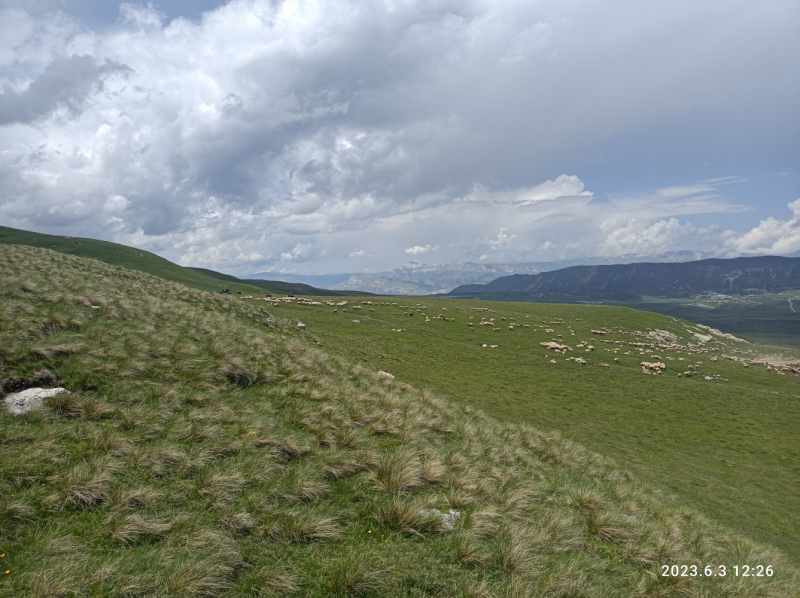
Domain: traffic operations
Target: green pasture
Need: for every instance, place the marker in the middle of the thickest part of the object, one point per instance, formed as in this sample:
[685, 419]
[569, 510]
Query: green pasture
[729, 446]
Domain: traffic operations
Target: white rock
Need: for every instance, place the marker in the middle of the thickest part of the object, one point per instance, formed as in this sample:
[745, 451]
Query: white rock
[383, 374]
[448, 519]
[30, 399]
[301, 326]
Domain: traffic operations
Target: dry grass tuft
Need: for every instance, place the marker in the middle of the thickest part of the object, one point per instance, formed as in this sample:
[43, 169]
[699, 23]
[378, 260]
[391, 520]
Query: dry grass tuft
[136, 529]
[396, 471]
[484, 523]
[303, 528]
[53, 351]
[353, 578]
[199, 579]
[268, 581]
[404, 516]
[240, 523]
[19, 511]
[284, 448]
[585, 499]
[94, 409]
[432, 471]
[607, 527]
[81, 486]
[338, 466]
[466, 550]
[65, 405]
[511, 552]
[478, 589]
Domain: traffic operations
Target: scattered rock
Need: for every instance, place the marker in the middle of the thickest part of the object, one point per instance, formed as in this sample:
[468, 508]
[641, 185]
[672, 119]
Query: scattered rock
[447, 520]
[301, 326]
[383, 374]
[30, 399]
[663, 336]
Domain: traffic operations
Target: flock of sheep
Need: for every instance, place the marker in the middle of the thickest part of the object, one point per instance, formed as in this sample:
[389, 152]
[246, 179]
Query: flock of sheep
[641, 344]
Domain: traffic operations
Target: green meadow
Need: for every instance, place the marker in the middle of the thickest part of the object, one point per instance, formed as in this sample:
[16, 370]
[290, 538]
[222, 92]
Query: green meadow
[728, 447]
[208, 446]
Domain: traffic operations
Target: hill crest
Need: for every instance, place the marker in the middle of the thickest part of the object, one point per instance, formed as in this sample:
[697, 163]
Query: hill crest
[763, 273]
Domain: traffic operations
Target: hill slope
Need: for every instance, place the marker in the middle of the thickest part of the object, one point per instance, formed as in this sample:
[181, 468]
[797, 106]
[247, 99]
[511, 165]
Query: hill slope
[144, 261]
[768, 273]
[207, 450]
[723, 439]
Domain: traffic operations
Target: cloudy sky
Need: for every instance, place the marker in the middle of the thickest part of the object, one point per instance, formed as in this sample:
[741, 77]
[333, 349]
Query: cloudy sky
[353, 136]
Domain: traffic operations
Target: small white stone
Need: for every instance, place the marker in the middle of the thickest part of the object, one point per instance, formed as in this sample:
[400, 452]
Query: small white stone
[383, 374]
[30, 399]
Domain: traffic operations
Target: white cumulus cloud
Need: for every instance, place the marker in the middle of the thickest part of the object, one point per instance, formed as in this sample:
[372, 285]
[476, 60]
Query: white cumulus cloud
[771, 236]
[296, 131]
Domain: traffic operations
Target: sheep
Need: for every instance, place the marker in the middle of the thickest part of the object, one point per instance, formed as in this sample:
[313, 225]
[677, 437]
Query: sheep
[605, 365]
[554, 346]
[655, 368]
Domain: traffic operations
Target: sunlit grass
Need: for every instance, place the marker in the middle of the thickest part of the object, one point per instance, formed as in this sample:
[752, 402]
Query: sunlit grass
[203, 453]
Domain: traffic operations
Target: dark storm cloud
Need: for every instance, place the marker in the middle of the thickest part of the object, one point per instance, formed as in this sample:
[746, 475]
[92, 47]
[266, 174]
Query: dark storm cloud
[263, 129]
[65, 83]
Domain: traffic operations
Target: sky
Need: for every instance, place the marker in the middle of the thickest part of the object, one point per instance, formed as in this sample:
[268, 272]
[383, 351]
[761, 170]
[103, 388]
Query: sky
[353, 136]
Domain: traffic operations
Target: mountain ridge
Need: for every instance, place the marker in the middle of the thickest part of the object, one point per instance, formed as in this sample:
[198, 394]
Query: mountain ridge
[763, 273]
[421, 278]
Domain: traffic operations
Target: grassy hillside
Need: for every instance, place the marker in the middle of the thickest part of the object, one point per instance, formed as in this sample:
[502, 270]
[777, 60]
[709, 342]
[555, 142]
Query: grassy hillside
[144, 261]
[280, 287]
[207, 449]
[728, 445]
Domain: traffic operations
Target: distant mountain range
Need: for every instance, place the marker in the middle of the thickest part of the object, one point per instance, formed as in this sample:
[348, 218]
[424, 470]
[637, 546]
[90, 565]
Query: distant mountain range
[765, 273]
[416, 278]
